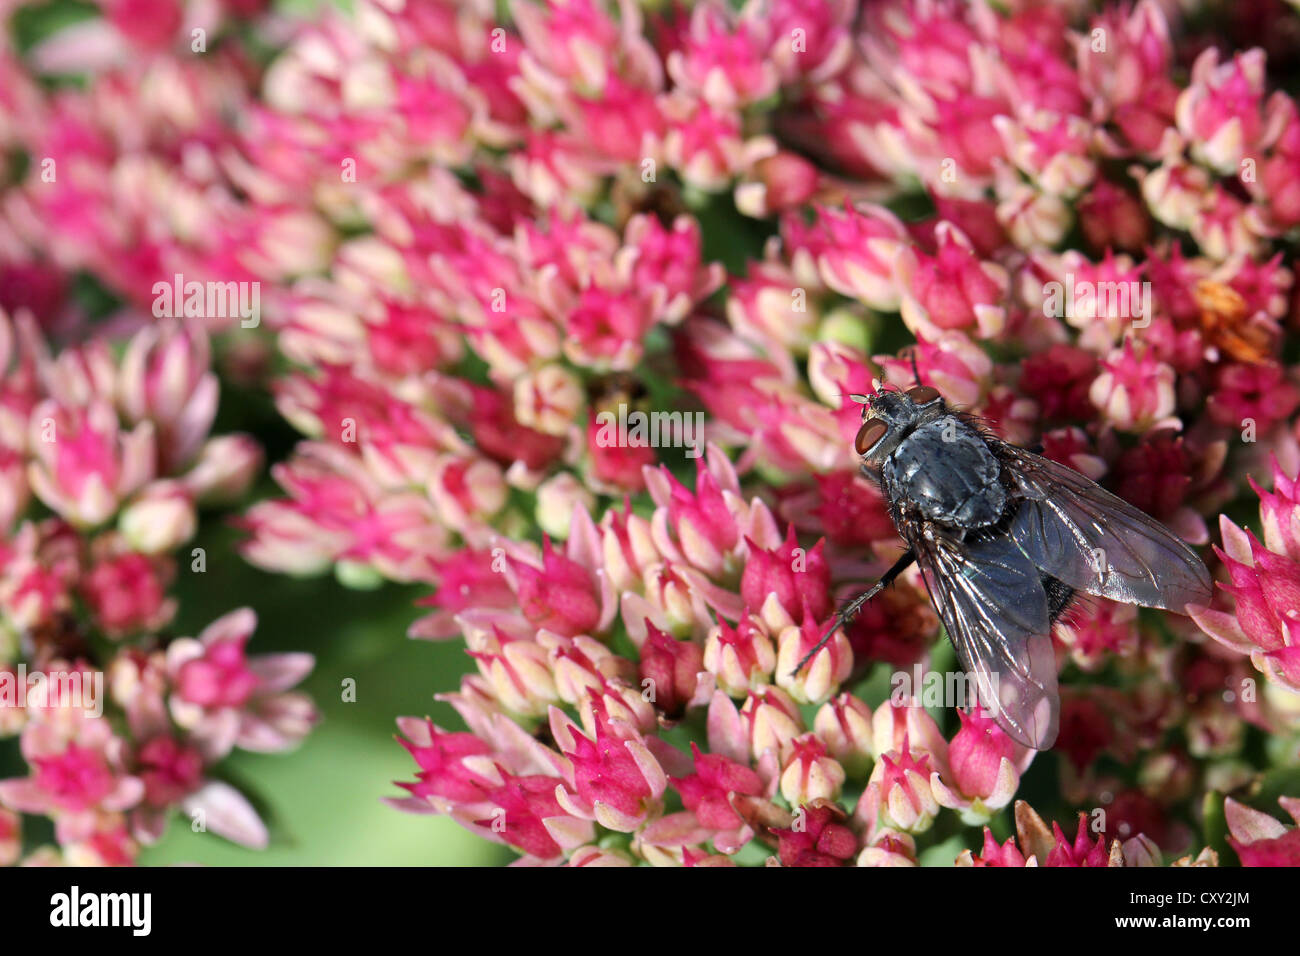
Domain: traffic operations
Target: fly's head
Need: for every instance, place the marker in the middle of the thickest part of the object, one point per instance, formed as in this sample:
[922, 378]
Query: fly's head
[889, 415]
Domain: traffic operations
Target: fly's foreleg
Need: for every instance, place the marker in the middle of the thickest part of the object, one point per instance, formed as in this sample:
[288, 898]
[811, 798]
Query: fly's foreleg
[850, 610]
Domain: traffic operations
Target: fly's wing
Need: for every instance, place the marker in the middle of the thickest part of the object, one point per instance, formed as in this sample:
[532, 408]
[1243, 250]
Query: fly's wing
[992, 603]
[1083, 535]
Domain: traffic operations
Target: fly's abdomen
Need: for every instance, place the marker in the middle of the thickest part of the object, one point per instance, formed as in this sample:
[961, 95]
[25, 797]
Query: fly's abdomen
[945, 470]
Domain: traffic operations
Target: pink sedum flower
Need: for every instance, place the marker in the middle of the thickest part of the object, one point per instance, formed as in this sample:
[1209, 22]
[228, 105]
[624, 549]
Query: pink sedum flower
[85, 465]
[952, 289]
[1265, 586]
[1134, 391]
[797, 580]
[225, 699]
[1223, 112]
[127, 594]
[852, 250]
[810, 773]
[823, 840]
[615, 779]
[902, 781]
[983, 767]
[722, 62]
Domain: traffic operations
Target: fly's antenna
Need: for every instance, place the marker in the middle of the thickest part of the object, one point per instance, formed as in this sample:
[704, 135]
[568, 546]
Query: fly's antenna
[860, 399]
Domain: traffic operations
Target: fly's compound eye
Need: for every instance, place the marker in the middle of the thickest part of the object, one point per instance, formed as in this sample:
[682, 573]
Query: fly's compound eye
[922, 394]
[872, 430]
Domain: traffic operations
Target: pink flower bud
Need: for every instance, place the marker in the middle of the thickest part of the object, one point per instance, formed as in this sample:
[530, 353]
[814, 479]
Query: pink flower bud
[1279, 512]
[84, 465]
[669, 265]
[615, 779]
[993, 854]
[853, 250]
[1174, 192]
[522, 808]
[170, 770]
[560, 596]
[165, 378]
[556, 499]
[1134, 391]
[225, 698]
[852, 511]
[983, 771]
[149, 24]
[810, 773]
[777, 183]
[440, 755]
[773, 721]
[1109, 630]
[548, 400]
[707, 791]
[906, 801]
[673, 593]
[1058, 379]
[1266, 587]
[723, 61]
[220, 678]
[1253, 393]
[704, 143]
[817, 680]
[574, 41]
[160, 519]
[768, 305]
[821, 839]
[627, 547]
[1082, 851]
[844, 723]
[741, 658]
[518, 671]
[1222, 112]
[1053, 150]
[707, 530]
[617, 465]
[800, 580]
[126, 593]
[673, 666]
[226, 467]
[499, 434]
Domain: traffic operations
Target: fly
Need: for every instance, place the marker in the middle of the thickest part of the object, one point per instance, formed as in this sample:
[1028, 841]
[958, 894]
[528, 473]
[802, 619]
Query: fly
[1006, 541]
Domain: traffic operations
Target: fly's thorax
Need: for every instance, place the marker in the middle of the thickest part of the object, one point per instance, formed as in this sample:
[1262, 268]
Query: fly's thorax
[944, 470]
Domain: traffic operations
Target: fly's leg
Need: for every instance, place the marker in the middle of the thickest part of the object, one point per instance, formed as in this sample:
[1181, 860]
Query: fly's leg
[916, 372]
[850, 610]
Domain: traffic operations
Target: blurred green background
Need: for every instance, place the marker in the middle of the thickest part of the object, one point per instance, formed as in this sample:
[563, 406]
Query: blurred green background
[322, 801]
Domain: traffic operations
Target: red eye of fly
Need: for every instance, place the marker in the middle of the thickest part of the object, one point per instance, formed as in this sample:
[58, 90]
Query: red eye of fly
[922, 394]
[872, 430]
